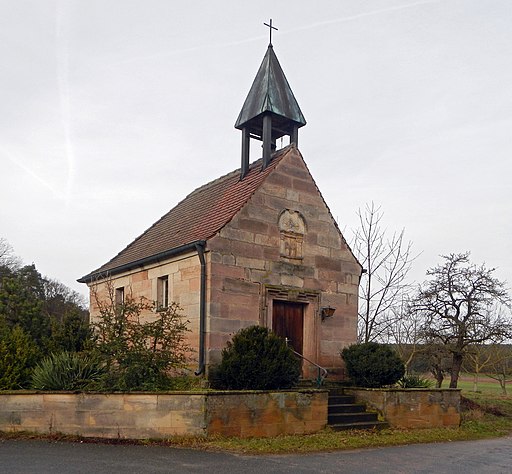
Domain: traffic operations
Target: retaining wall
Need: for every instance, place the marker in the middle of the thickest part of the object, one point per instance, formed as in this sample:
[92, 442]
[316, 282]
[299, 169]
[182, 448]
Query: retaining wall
[412, 408]
[150, 415]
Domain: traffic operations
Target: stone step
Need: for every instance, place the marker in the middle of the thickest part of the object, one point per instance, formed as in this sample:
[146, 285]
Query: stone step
[344, 414]
[341, 399]
[346, 408]
[343, 418]
[377, 425]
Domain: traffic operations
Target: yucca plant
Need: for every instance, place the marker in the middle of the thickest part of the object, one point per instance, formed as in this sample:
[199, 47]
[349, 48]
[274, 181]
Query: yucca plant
[414, 381]
[67, 371]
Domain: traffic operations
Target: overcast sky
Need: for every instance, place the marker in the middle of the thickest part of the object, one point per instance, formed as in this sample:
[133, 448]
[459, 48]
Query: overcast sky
[113, 111]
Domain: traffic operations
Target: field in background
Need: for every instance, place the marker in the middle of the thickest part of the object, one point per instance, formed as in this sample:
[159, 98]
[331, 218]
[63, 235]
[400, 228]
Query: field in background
[485, 384]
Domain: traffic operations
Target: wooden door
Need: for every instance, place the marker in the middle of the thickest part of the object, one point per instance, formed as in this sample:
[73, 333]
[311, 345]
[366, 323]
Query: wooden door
[288, 321]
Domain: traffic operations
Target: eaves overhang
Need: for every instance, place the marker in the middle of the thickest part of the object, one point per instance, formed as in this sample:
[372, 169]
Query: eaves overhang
[159, 257]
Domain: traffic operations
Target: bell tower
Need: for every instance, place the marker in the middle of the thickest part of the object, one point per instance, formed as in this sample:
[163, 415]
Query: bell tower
[270, 110]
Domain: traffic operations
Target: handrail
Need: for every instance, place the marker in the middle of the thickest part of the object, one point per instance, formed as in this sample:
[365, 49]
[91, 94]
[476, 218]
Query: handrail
[322, 371]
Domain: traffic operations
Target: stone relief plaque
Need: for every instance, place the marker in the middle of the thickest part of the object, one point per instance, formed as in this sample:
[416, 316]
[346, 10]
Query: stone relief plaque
[292, 228]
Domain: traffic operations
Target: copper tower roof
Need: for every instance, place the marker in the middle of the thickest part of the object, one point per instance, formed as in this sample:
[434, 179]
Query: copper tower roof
[270, 93]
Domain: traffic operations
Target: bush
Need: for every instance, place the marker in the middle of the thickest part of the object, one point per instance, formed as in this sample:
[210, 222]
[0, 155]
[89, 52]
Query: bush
[67, 371]
[414, 381]
[372, 365]
[18, 356]
[141, 353]
[256, 359]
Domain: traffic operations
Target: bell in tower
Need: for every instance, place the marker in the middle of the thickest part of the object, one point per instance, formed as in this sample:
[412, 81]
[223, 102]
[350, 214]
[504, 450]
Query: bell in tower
[270, 110]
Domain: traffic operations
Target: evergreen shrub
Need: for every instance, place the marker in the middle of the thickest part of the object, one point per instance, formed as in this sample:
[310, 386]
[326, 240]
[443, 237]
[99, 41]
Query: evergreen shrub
[256, 359]
[372, 365]
[18, 356]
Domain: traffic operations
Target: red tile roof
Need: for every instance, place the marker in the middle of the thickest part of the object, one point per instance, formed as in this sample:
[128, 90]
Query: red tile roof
[198, 217]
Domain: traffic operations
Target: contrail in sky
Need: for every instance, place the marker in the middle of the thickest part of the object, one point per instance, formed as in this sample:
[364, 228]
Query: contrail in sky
[293, 30]
[362, 15]
[62, 53]
[18, 162]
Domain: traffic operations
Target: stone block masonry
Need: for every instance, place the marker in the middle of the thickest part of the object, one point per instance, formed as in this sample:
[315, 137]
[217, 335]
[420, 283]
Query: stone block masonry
[151, 415]
[413, 408]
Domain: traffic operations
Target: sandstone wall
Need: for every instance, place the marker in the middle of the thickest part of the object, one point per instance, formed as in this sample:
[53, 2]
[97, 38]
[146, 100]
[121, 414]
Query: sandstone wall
[141, 415]
[249, 267]
[184, 283]
[413, 408]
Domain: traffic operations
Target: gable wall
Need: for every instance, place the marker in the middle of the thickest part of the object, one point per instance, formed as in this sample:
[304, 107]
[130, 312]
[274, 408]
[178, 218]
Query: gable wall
[246, 270]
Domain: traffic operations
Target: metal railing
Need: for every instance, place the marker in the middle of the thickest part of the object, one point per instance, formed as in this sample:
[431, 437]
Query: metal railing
[322, 371]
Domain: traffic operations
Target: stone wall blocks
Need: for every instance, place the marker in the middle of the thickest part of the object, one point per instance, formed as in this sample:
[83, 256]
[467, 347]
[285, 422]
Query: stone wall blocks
[279, 179]
[304, 186]
[291, 169]
[239, 233]
[331, 241]
[328, 263]
[256, 263]
[246, 249]
[292, 280]
[139, 276]
[270, 189]
[314, 251]
[253, 227]
[164, 415]
[237, 285]
[228, 259]
[266, 240]
[301, 271]
[413, 408]
[219, 272]
[270, 254]
[190, 272]
[292, 195]
[262, 213]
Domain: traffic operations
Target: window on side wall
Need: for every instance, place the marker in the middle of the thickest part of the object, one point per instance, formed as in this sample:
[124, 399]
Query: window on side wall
[162, 291]
[120, 296]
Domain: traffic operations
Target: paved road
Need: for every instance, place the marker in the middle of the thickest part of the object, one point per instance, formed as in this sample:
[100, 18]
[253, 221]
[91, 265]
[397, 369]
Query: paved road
[489, 456]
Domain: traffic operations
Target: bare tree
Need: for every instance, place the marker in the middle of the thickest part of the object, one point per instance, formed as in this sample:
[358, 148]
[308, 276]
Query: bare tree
[459, 304]
[7, 257]
[500, 367]
[439, 361]
[405, 333]
[478, 358]
[387, 260]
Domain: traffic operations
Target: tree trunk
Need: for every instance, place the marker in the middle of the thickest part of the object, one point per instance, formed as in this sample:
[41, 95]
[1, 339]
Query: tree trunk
[503, 384]
[438, 375]
[475, 382]
[456, 366]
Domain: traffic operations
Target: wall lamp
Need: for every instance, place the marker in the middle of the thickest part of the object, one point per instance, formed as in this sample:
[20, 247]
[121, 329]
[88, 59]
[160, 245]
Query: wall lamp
[326, 312]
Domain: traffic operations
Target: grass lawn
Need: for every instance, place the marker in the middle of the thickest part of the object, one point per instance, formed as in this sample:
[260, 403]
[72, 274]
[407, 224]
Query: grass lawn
[485, 384]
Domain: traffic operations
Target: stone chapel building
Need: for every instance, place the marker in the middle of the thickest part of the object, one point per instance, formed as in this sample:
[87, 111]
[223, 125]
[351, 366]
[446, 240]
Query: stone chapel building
[256, 246]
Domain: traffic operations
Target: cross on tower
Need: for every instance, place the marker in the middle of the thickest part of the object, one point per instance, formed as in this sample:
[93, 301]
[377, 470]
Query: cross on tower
[270, 27]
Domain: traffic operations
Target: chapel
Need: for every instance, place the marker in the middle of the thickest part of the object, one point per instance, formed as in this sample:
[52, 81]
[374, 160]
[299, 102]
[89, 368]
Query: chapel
[258, 246]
